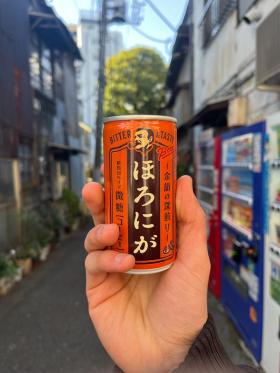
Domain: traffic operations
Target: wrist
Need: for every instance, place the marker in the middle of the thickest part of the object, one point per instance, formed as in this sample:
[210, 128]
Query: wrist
[176, 353]
[207, 353]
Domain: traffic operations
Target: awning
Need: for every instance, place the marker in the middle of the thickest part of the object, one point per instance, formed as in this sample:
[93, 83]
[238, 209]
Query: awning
[60, 149]
[180, 50]
[212, 115]
[53, 31]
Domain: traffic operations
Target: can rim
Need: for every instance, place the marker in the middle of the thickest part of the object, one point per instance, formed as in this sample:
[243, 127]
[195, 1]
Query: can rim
[140, 117]
[149, 271]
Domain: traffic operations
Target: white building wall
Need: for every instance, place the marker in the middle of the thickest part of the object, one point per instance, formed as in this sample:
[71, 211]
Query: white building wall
[88, 42]
[223, 68]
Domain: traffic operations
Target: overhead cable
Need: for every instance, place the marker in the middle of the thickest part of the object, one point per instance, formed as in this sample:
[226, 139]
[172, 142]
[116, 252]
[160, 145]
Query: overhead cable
[161, 15]
[152, 38]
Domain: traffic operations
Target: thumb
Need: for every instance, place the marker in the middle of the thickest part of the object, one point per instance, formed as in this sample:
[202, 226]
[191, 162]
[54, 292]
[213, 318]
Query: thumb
[191, 226]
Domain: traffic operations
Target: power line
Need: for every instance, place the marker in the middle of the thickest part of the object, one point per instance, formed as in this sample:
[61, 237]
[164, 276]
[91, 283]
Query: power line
[161, 15]
[152, 38]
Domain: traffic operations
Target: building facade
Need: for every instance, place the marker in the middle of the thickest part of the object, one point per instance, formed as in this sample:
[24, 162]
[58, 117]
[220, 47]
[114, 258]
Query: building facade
[16, 130]
[218, 68]
[226, 58]
[180, 88]
[40, 139]
[223, 64]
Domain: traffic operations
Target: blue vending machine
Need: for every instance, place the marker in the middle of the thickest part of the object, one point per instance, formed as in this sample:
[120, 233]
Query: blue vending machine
[243, 200]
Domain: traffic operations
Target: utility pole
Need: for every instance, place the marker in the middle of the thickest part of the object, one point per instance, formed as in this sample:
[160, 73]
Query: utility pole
[117, 10]
[101, 89]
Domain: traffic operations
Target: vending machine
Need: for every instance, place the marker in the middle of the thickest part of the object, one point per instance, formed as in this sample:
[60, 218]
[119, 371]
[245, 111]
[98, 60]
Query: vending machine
[271, 327]
[243, 197]
[208, 166]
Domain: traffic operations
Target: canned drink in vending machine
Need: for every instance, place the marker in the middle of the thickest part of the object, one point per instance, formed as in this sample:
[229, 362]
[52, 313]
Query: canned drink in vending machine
[140, 188]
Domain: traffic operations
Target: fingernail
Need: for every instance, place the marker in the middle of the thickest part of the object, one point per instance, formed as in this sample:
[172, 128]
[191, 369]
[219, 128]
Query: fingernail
[120, 258]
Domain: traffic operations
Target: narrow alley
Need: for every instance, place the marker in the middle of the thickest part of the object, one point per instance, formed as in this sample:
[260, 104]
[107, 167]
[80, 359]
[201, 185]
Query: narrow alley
[45, 325]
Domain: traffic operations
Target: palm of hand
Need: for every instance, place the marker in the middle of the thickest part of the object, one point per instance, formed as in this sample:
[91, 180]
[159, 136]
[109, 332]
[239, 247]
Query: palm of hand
[148, 323]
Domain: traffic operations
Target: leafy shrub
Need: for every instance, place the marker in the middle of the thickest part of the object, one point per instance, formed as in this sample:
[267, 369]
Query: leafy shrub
[71, 204]
[35, 234]
[7, 267]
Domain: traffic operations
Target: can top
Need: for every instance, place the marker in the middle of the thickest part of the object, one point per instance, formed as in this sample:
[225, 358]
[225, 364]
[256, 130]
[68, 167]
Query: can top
[140, 117]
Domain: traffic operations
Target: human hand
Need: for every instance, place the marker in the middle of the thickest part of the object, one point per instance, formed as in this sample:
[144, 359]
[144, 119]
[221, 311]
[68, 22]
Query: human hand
[148, 323]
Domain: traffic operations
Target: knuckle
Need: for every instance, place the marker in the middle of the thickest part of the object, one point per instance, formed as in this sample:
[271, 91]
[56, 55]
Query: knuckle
[89, 240]
[86, 242]
[87, 262]
[91, 262]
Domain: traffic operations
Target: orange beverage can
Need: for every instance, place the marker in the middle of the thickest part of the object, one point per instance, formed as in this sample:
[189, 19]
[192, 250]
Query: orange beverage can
[140, 188]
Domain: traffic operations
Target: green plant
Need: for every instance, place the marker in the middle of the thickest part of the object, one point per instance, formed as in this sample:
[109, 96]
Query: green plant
[51, 217]
[44, 234]
[7, 267]
[27, 252]
[71, 204]
[35, 234]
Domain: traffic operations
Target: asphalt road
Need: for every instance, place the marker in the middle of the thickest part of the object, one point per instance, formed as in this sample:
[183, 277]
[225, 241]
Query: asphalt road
[44, 326]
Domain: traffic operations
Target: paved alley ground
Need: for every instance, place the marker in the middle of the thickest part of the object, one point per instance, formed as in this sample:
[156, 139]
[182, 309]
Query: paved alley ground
[44, 326]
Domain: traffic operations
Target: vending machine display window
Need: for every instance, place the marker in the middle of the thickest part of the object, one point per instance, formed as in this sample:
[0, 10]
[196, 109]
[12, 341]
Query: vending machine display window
[238, 214]
[238, 181]
[242, 183]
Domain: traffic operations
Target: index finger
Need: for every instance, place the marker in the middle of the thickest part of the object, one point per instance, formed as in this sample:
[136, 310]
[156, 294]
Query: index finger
[93, 196]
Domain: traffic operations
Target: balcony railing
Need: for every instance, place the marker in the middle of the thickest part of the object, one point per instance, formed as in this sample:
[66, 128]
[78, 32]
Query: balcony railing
[215, 13]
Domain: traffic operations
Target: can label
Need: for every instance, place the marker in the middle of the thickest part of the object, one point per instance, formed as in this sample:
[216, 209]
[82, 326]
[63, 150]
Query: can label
[140, 187]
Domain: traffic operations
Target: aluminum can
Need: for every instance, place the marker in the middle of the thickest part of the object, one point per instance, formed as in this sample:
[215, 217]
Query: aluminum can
[140, 188]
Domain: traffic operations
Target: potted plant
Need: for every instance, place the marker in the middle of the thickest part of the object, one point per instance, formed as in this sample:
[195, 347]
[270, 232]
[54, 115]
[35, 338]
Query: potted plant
[25, 255]
[8, 273]
[30, 247]
[44, 238]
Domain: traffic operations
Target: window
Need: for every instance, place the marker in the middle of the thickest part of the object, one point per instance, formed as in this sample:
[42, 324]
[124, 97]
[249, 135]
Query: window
[25, 164]
[34, 61]
[46, 66]
[41, 69]
[58, 76]
[215, 13]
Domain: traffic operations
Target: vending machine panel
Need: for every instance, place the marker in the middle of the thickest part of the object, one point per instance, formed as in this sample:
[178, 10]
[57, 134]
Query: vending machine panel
[242, 240]
[208, 176]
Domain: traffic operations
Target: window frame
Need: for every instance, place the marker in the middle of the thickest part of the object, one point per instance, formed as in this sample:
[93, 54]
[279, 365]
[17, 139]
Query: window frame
[220, 17]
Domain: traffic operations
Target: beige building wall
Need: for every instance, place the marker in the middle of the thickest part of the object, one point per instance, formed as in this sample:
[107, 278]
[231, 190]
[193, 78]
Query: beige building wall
[226, 66]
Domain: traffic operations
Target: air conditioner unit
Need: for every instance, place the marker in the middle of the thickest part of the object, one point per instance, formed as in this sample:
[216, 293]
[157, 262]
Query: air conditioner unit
[268, 52]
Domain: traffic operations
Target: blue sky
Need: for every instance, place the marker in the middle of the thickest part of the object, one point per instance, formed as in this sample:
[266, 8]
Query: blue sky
[68, 10]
